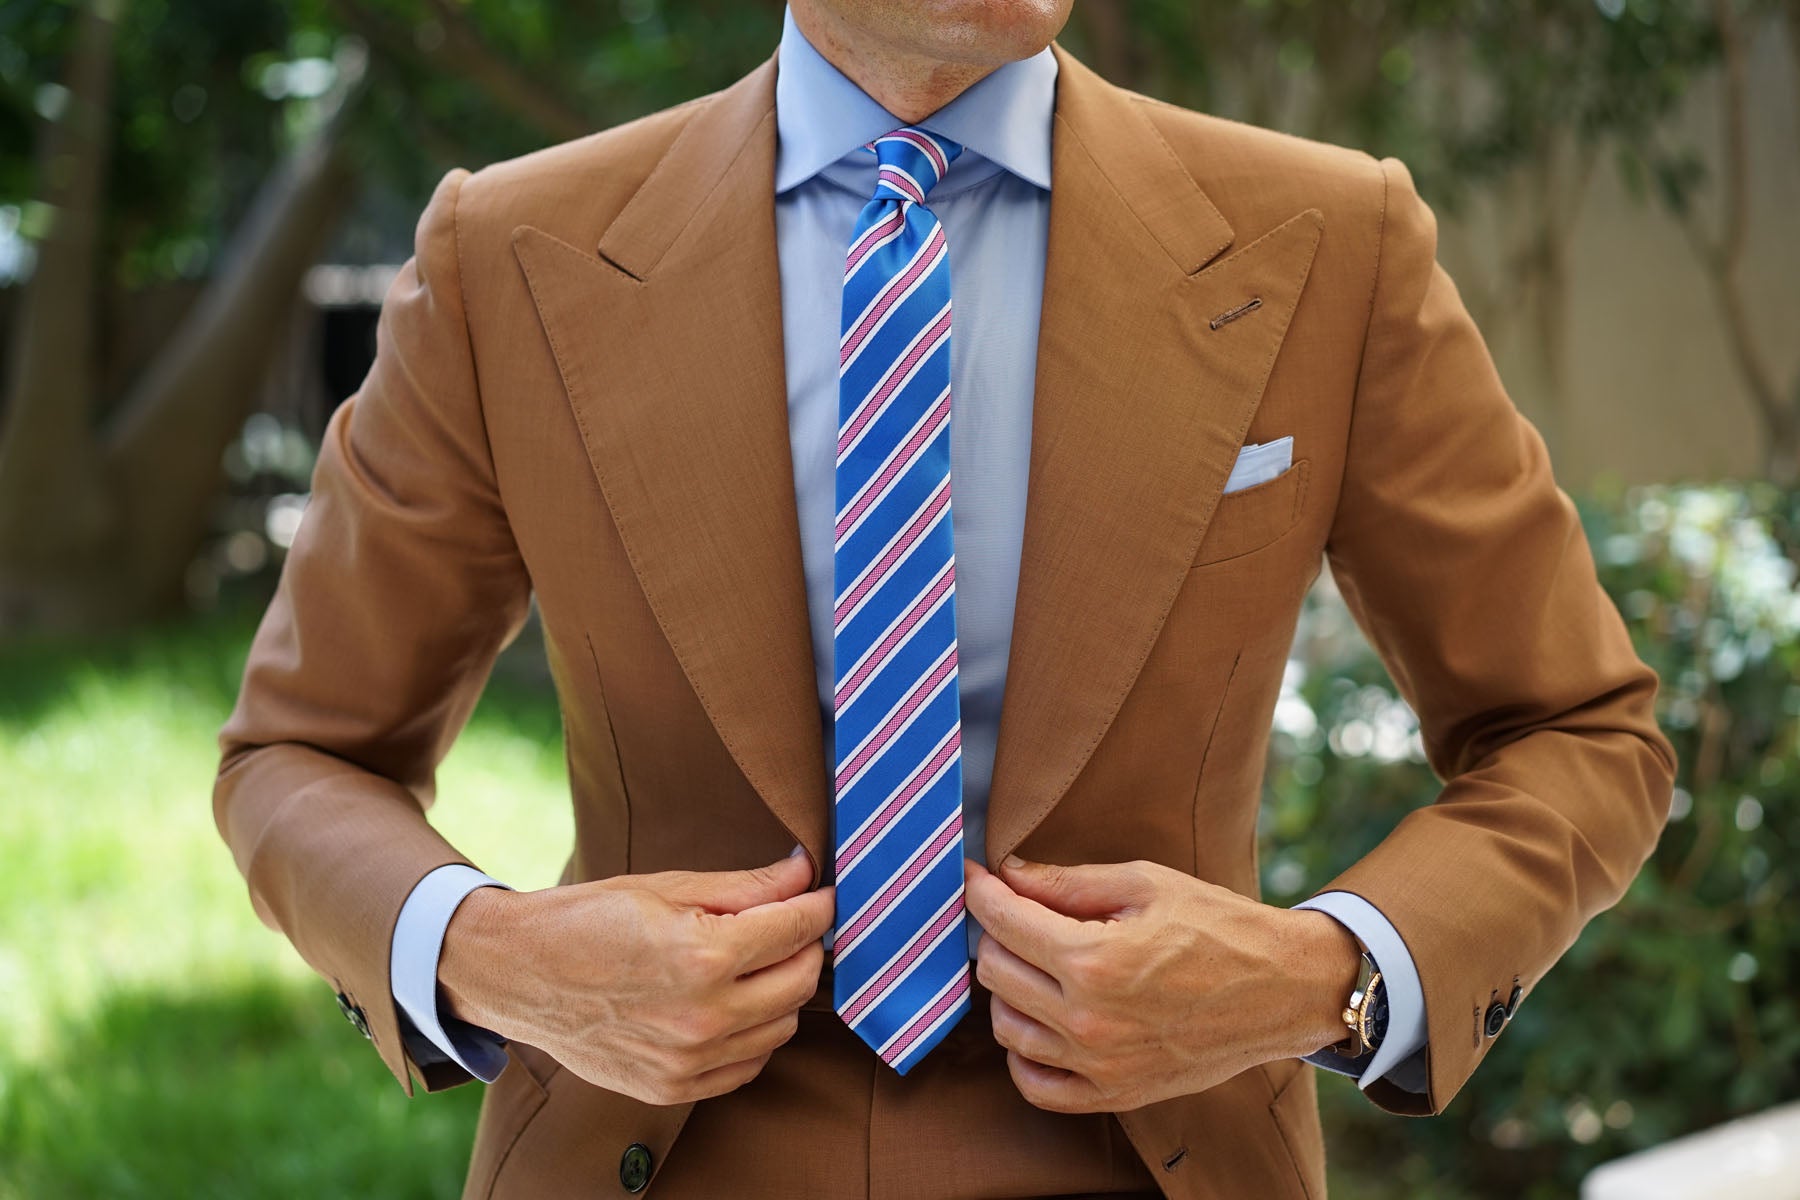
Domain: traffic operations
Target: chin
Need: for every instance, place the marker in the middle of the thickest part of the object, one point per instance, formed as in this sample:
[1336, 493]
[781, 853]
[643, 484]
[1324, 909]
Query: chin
[987, 32]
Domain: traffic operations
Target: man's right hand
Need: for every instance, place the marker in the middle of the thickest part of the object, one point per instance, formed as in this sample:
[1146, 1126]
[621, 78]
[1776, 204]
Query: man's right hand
[668, 988]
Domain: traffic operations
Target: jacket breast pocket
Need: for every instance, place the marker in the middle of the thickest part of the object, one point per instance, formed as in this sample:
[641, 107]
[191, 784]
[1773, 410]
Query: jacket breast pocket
[1250, 519]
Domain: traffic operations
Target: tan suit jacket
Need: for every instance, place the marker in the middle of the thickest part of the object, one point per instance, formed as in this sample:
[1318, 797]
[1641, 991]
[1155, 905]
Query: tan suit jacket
[579, 394]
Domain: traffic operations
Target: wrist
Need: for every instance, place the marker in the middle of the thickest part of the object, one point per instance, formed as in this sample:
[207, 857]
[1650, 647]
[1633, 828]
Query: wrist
[467, 961]
[1325, 961]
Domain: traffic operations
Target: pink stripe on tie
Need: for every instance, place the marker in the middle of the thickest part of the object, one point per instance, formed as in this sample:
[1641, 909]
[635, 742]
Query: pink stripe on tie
[926, 936]
[899, 802]
[922, 522]
[957, 991]
[914, 867]
[932, 150]
[876, 488]
[902, 182]
[926, 261]
[897, 718]
[878, 658]
[898, 374]
[866, 243]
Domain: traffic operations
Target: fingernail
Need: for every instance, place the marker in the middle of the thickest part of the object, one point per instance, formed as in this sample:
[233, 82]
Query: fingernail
[1012, 862]
[798, 850]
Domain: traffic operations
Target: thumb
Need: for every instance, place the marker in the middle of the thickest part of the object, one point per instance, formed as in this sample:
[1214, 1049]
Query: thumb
[735, 891]
[1087, 891]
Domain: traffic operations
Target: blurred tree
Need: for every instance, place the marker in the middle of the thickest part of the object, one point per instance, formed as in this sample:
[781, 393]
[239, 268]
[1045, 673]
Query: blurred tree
[234, 133]
[1680, 173]
[100, 518]
[466, 82]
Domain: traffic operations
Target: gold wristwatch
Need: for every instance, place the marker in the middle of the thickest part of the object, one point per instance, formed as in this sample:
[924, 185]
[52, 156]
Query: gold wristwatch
[1365, 1013]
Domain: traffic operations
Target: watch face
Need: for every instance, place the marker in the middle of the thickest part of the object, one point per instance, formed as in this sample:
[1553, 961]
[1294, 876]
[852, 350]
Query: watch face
[1378, 1016]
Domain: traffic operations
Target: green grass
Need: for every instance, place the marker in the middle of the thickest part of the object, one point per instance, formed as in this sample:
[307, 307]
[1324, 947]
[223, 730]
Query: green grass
[155, 1038]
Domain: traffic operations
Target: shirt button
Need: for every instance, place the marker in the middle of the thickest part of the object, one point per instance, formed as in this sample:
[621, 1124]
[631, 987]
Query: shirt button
[634, 1167]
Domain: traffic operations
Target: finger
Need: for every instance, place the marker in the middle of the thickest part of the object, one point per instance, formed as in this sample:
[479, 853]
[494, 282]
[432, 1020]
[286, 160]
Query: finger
[771, 932]
[1025, 987]
[1090, 891]
[758, 1041]
[1052, 1088]
[720, 1080]
[734, 891]
[1031, 931]
[1016, 1031]
[779, 988]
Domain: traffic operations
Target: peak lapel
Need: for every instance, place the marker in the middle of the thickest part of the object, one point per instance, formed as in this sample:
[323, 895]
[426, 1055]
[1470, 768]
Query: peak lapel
[669, 345]
[1140, 410]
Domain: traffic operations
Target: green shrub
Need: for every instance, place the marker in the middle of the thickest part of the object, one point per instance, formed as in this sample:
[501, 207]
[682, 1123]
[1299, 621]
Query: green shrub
[1678, 1009]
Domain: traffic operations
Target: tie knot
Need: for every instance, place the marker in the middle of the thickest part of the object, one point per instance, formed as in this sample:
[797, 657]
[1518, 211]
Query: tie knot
[912, 162]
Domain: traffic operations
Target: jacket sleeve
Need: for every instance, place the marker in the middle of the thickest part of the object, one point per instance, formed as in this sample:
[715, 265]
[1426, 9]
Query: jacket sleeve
[1468, 569]
[402, 585]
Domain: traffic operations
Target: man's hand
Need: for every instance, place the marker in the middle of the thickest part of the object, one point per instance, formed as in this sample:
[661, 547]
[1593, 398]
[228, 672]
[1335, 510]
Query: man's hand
[1120, 985]
[667, 988]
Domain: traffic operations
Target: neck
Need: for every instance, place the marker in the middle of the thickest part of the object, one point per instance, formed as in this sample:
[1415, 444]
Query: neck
[910, 85]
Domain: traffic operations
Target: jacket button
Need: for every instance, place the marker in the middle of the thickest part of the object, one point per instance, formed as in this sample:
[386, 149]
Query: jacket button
[634, 1167]
[1496, 1019]
[1512, 1001]
[353, 1014]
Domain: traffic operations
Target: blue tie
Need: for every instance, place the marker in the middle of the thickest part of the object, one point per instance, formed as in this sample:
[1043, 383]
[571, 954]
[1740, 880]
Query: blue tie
[900, 951]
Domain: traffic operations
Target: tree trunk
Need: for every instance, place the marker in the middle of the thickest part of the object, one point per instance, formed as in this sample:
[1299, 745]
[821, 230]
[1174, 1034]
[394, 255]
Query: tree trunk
[1723, 257]
[98, 528]
[56, 510]
[163, 449]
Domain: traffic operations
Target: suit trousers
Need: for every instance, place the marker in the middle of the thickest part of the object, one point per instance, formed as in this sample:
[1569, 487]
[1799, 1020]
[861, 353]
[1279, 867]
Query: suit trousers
[827, 1119]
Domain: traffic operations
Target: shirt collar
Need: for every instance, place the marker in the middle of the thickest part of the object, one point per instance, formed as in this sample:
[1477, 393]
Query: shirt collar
[821, 116]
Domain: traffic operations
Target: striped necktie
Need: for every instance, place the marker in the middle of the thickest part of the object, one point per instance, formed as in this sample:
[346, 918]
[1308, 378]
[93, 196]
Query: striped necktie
[900, 950]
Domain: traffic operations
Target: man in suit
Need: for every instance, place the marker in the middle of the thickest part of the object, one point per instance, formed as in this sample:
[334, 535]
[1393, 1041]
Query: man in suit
[918, 453]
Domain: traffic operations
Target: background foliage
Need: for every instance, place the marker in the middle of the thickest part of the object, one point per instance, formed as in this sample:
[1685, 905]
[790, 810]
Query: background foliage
[1681, 1007]
[208, 90]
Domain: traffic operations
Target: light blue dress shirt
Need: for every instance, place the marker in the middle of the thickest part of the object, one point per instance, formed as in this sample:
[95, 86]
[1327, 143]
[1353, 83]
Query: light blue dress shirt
[994, 204]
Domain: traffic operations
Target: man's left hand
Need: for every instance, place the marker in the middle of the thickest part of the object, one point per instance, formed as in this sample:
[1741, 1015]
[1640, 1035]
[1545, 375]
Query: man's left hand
[1118, 985]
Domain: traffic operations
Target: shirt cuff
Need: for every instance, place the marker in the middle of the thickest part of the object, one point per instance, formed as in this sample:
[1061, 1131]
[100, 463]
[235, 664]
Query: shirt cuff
[412, 971]
[1401, 1056]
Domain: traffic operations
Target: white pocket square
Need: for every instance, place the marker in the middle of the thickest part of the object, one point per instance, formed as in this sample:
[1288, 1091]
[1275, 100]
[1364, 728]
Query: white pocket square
[1260, 462]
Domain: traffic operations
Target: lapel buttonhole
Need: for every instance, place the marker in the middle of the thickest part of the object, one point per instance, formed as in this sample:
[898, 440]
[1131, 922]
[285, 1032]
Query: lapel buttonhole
[1229, 315]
